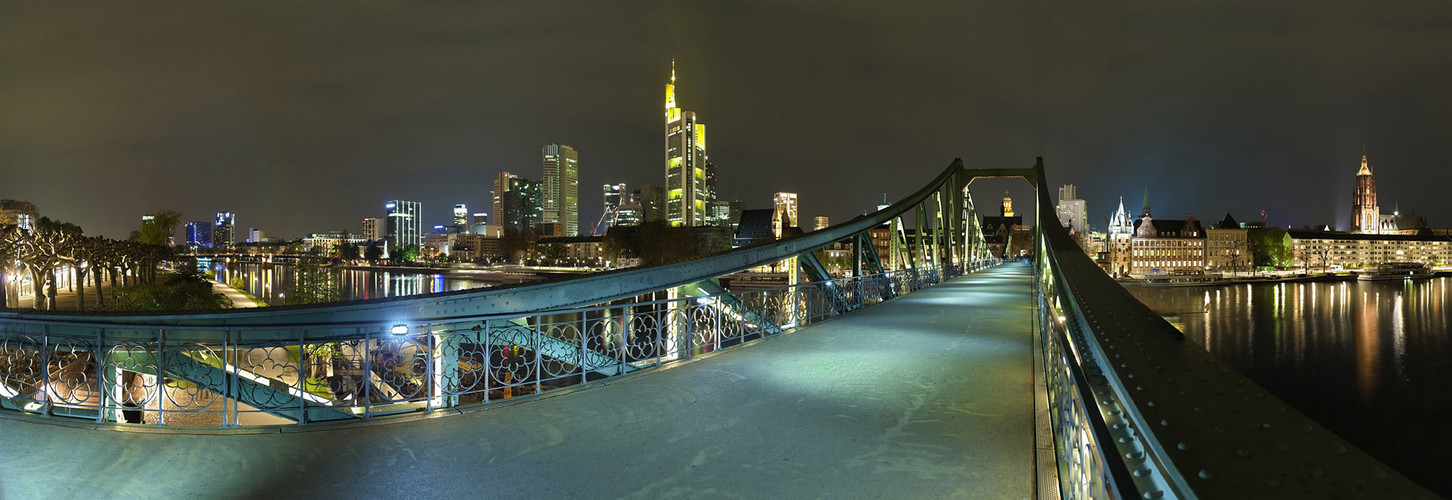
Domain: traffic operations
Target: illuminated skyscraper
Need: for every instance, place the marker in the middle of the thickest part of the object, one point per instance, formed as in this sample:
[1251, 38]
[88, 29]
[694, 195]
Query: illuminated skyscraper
[517, 203]
[461, 217]
[224, 232]
[199, 234]
[560, 190]
[373, 228]
[1365, 214]
[651, 199]
[405, 224]
[688, 193]
[1071, 209]
[784, 213]
[614, 196]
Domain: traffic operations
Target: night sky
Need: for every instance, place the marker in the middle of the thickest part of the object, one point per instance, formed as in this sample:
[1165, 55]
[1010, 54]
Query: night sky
[306, 117]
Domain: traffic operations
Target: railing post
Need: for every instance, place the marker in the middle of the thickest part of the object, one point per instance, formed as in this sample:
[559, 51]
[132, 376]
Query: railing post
[44, 393]
[100, 370]
[160, 378]
[367, 381]
[302, 377]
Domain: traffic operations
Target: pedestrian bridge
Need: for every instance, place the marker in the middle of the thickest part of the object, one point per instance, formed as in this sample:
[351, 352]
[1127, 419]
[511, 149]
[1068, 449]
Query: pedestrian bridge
[930, 371]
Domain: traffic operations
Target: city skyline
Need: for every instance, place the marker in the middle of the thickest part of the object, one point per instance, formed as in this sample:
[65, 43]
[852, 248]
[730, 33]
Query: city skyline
[1214, 109]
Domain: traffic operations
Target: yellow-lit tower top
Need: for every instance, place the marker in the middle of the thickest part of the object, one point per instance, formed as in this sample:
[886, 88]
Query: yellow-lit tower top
[671, 95]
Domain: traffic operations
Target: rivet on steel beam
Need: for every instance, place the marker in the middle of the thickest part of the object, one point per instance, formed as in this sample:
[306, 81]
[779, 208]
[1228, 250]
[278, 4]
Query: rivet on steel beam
[1182, 446]
[1242, 453]
[1205, 474]
[1164, 423]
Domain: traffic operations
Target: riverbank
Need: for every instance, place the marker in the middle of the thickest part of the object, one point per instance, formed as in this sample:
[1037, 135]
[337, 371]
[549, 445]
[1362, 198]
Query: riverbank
[1193, 281]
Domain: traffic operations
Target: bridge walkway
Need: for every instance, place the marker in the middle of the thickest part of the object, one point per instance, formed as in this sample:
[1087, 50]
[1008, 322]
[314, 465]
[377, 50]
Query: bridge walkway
[927, 396]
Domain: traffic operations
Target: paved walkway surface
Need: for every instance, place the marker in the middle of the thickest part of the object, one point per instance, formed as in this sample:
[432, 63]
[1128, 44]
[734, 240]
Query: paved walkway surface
[238, 299]
[928, 396]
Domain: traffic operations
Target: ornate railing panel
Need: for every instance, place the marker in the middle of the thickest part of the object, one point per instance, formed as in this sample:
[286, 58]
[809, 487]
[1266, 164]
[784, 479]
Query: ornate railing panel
[237, 376]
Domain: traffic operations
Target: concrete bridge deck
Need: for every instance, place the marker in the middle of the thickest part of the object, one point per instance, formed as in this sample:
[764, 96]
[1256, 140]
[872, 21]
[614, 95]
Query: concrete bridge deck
[927, 396]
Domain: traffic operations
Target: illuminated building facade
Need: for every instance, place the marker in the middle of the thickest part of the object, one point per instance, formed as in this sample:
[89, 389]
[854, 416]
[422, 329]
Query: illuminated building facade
[517, 203]
[726, 213]
[224, 231]
[1071, 210]
[199, 234]
[405, 224]
[1227, 246]
[1365, 214]
[1166, 246]
[821, 223]
[373, 228]
[614, 196]
[687, 191]
[1327, 250]
[784, 213]
[461, 217]
[652, 202]
[560, 190]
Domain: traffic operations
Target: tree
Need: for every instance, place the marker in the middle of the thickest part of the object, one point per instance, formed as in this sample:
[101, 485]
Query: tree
[408, 253]
[157, 229]
[348, 251]
[1269, 247]
[184, 290]
[373, 252]
[313, 282]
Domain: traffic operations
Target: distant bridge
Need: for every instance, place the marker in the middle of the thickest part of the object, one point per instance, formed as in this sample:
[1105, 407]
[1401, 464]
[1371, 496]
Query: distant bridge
[1134, 411]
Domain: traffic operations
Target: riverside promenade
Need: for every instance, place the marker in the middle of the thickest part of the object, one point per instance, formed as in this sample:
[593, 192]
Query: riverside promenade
[927, 396]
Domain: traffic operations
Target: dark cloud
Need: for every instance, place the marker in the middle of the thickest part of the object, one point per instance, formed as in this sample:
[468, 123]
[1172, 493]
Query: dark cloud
[306, 117]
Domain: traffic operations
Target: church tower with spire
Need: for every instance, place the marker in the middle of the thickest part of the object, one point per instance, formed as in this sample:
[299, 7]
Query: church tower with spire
[688, 190]
[1365, 214]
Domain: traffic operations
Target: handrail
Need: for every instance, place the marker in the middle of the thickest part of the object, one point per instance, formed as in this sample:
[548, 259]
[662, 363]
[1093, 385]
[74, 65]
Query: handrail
[591, 289]
[1182, 422]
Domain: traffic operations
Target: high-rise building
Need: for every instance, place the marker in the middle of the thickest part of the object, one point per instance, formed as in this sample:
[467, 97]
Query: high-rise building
[517, 203]
[224, 231]
[481, 224]
[255, 235]
[561, 187]
[726, 213]
[373, 228]
[614, 196]
[687, 192]
[820, 223]
[199, 234]
[651, 199]
[784, 212]
[1365, 214]
[461, 217]
[1071, 209]
[405, 224]
[629, 215]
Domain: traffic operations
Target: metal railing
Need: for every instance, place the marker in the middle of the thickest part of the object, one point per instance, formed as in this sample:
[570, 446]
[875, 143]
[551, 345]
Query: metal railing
[166, 375]
[1139, 413]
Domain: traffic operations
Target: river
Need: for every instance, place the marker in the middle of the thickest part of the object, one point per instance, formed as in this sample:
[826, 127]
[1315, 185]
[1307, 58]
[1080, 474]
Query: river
[1370, 360]
[270, 281]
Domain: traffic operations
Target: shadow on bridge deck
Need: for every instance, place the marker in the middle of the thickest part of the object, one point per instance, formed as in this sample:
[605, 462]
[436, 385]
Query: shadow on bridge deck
[929, 395]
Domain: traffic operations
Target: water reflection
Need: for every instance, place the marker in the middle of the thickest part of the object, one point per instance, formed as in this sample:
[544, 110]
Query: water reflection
[1370, 360]
[270, 281]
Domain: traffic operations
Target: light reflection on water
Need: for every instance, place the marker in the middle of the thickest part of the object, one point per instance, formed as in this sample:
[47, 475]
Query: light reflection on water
[1370, 360]
[267, 281]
